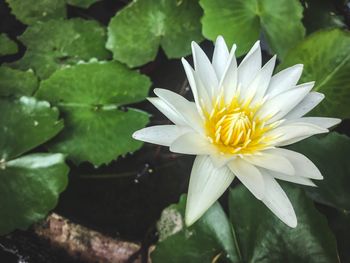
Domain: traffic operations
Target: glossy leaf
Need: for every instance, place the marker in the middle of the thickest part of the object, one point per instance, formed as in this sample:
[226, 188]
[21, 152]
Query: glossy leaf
[326, 58]
[210, 239]
[331, 154]
[89, 95]
[82, 3]
[242, 21]
[17, 82]
[262, 237]
[25, 124]
[136, 32]
[57, 43]
[29, 189]
[7, 46]
[30, 11]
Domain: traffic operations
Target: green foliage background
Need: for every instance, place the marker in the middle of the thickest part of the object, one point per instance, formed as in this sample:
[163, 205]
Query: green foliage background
[70, 91]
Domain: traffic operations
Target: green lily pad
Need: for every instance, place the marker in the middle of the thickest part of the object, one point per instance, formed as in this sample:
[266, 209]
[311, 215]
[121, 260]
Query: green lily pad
[331, 154]
[17, 82]
[82, 3]
[31, 11]
[329, 66]
[26, 123]
[262, 237]
[29, 189]
[7, 46]
[90, 96]
[242, 21]
[57, 43]
[136, 32]
[208, 240]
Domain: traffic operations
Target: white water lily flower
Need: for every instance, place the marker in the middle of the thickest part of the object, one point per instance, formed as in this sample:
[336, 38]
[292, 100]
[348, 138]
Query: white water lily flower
[240, 117]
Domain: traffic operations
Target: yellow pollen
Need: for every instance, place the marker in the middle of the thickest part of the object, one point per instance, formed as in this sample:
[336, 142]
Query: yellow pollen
[235, 127]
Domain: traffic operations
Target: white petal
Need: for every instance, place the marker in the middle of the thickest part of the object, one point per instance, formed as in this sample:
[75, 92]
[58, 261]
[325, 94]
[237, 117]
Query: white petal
[161, 134]
[228, 82]
[272, 161]
[292, 178]
[284, 80]
[192, 143]
[287, 134]
[205, 70]
[172, 115]
[322, 122]
[250, 66]
[302, 165]
[207, 184]
[220, 56]
[307, 104]
[220, 159]
[259, 85]
[277, 201]
[182, 107]
[281, 104]
[249, 175]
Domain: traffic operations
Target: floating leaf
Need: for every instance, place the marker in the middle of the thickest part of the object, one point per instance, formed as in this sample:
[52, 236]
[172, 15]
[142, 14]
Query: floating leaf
[57, 43]
[30, 11]
[29, 189]
[208, 240]
[7, 46]
[17, 82]
[136, 32]
[25, 124]
[262, 237]
[241, 21]
[82, 3]
[329, 66]
[89, 95]
[331, 155]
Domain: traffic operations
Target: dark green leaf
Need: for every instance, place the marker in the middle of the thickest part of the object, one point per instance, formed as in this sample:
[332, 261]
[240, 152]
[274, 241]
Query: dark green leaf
[29, 189]
[326, 58]
[208, 240]
[25, 124]
[89, 96]
[30, 11]
[331, 155]
[135, 33]
[7, 46]
[57, 43]
[241, 21]
[82, 3]
[262, 237]
[16, 82]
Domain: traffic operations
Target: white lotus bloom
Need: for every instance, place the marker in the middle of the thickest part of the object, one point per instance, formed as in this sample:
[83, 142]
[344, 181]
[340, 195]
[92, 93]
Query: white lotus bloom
[240, 117]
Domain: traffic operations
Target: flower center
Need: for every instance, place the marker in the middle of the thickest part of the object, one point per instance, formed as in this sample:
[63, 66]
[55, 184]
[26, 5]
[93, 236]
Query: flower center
[235, 128]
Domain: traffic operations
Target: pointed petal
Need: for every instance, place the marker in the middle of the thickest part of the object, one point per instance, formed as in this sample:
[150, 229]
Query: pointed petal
[307, 104]
[192, 143]
[182, 107]
[161, 134]
[172, 115]
[302, 165]
[322, 122]
[220, 159]
[292, 178]
[277, 201]
[220, 56]
[294, 132]
[283, 103]
[249, 175]
[284, 80]
[250, 66]
[228, 82]
[205, 70]
[272, 161]
[258, 86]
[207, 184]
